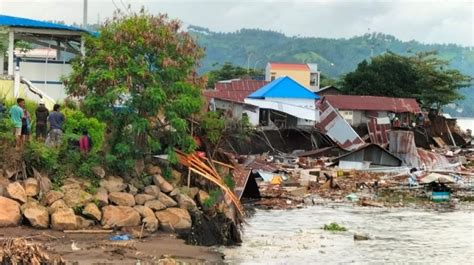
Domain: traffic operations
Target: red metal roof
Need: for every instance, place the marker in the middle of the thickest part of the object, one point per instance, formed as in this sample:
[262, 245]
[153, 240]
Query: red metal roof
[289, 66]
[397, 105]
[234, 90]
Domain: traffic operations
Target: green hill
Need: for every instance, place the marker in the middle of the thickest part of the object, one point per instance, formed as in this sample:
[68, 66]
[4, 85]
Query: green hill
[335, 57]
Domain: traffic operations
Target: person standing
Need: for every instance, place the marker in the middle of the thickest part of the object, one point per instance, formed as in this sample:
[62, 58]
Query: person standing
[85, 142]
[42, 114]
[25, 125]
[16, 116]
[56, 120]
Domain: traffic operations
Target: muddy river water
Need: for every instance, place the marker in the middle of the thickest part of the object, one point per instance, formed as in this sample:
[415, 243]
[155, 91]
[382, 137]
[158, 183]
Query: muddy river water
[398, 236]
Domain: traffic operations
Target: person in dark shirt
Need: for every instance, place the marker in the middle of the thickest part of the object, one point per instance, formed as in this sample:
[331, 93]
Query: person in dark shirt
[42, 114]
[56, 120]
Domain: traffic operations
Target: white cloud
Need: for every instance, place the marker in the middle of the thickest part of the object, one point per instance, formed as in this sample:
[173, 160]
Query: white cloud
[434, 21]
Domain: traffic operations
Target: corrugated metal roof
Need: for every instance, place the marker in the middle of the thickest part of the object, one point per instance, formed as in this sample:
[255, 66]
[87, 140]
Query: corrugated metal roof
[289, 66]
[333, 124]
[234, 90]
[283, 87]
[402, 144]
[350, 102]
[10, 21]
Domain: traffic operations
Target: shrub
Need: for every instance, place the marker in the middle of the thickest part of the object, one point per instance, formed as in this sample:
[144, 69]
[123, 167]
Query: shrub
[41, 157]
[334, 227]
[76, 122]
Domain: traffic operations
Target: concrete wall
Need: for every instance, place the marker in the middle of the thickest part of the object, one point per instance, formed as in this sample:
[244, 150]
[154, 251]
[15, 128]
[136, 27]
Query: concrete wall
[46, 76]
[6, 92]
[302, 77]
[305, 103]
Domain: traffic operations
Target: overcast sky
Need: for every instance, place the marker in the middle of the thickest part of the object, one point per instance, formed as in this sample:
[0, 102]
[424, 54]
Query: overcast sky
[433, 21]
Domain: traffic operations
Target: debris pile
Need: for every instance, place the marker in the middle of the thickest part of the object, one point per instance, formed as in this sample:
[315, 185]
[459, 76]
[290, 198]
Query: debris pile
[21, 251]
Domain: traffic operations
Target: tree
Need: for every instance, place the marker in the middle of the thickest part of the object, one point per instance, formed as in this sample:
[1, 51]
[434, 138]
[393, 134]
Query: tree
[230, 71]
[139, 77]
[422, 76]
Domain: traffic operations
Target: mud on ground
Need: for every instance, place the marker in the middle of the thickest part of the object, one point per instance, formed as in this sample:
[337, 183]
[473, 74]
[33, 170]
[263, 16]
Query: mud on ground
[159, 248]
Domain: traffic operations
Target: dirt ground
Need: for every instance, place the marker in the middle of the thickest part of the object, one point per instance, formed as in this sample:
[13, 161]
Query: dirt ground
[159, 248]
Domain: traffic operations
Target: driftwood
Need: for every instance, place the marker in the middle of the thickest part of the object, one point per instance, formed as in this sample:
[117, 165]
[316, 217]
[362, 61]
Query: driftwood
[98, 231]
[208, 171]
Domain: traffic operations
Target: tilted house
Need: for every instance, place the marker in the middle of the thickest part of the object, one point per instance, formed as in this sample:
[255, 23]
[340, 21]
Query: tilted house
[358, 110]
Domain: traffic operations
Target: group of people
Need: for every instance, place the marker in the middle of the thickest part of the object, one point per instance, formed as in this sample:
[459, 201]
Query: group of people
[22, 121]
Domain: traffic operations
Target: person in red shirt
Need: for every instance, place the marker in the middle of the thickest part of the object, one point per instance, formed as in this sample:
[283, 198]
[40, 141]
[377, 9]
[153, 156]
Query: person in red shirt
[85, 142]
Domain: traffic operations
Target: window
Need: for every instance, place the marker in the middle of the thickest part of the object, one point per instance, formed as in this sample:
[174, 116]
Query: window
[348, 115]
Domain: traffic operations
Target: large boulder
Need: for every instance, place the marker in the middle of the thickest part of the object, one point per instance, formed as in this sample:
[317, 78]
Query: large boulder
[101, 197]
[144, 211]
[174, 220]
[132, 189]
[152, 190]
[155, 205]
[151, 223]
[140, 199]
[32, 187]
[191, 192]
[92, 211]
[119, 216]
[59, 204]
[16, 191]
[176, 177]
[202, 196]
[3, 185]
[76, 197]
[185, 202]
[45, 185]
[64, 219]
[122, 198]
[9, 212]
[36, 214]
[83, 223]
[164, 185]
[113, 184]
[167, 200]
[98, 171]
[152, 170]
[51, 197]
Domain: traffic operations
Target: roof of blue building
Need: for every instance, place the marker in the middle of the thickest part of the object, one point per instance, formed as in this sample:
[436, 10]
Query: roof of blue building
[283, 87]
[9, 21]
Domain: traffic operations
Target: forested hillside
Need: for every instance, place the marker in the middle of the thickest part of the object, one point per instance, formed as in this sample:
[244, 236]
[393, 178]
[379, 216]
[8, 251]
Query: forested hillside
[335, 57]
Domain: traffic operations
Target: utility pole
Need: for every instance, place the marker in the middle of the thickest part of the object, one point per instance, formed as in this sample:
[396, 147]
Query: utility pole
[84, 16]
[84, 27]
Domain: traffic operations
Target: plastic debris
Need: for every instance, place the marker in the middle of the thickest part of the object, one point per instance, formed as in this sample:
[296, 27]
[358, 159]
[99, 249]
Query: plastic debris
[121, 237]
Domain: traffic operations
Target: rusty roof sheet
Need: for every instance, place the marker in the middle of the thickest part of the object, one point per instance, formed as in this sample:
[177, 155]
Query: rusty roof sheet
[241, 177]
[334, 125]
[260, 164]
[378, 133]
[234, 90]
[402, 144]
[351, 102]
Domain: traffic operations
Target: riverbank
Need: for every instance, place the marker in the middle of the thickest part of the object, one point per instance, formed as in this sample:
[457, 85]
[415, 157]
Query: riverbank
[159, 248]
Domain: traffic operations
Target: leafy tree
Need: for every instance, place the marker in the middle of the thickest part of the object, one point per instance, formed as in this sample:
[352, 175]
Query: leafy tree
[138, 76]
[422, 76]
[230, 71]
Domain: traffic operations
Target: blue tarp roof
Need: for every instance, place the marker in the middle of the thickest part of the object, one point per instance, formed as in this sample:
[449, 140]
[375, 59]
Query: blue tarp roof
[283, 87]
[9, 21]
